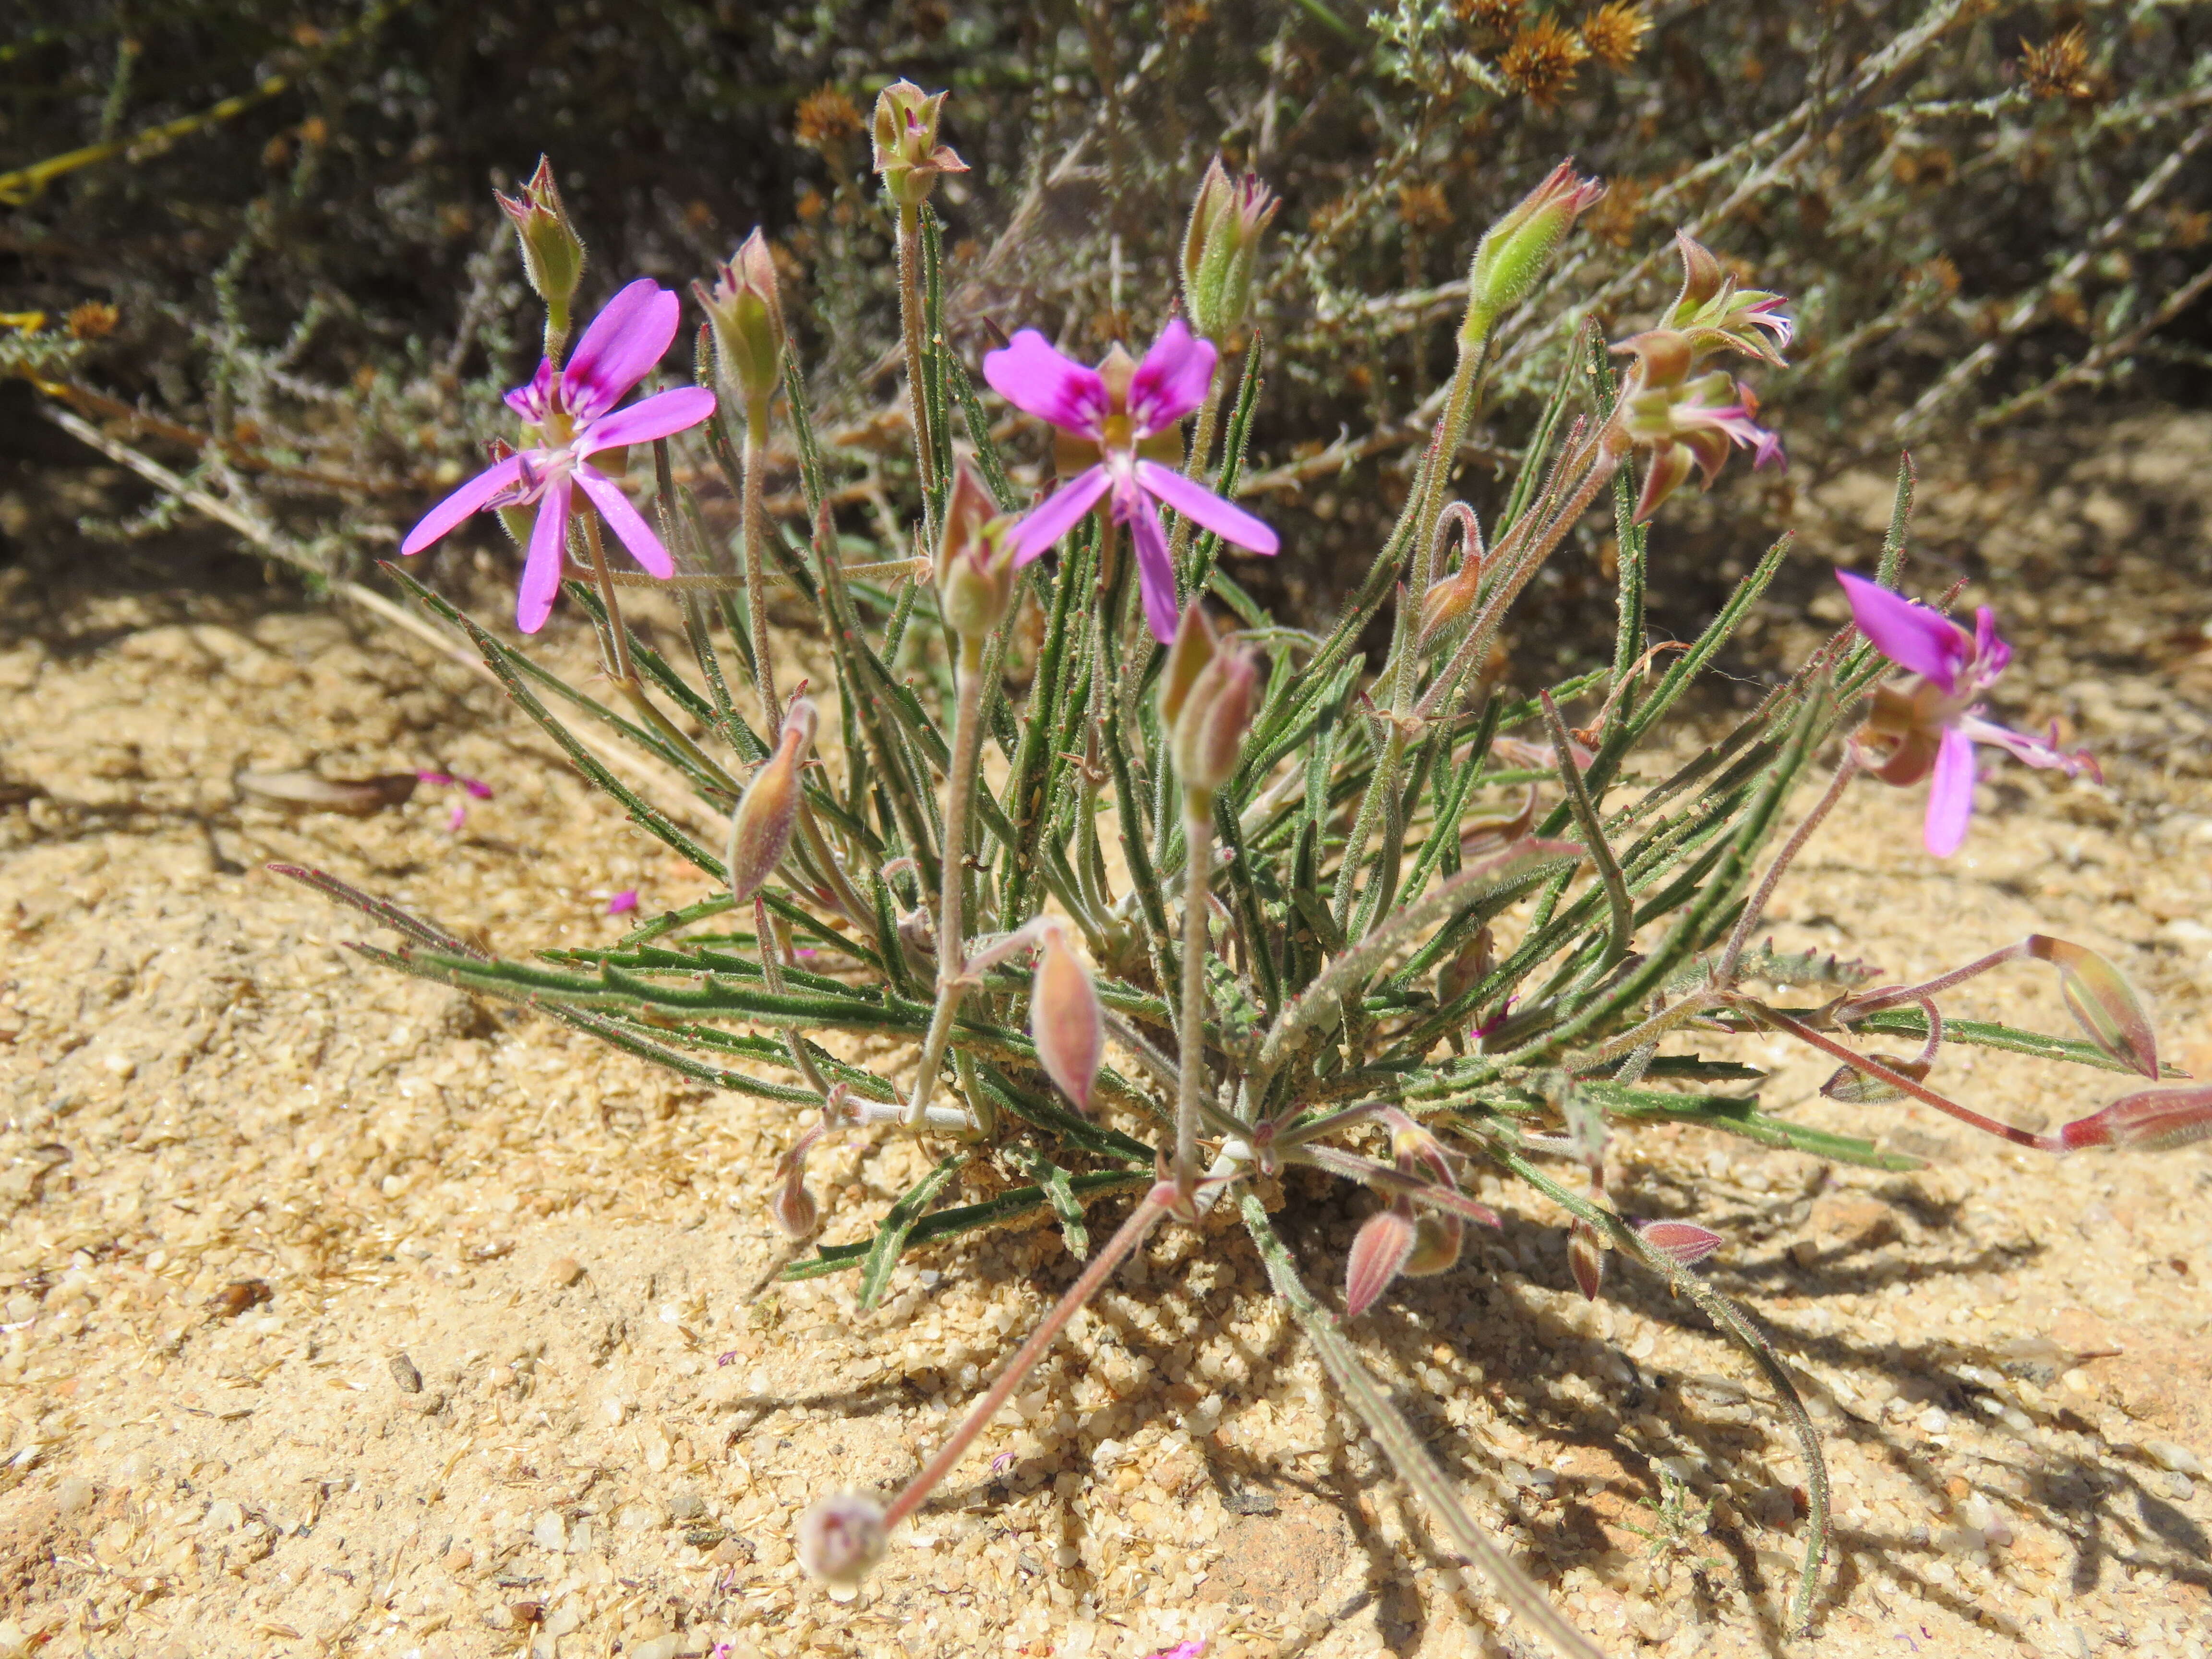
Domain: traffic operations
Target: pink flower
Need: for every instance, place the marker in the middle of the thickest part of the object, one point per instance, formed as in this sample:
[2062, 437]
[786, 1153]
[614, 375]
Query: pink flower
[622, 903]
[1130, 411]
[572, 416]
[475, 787]
[1926, 724]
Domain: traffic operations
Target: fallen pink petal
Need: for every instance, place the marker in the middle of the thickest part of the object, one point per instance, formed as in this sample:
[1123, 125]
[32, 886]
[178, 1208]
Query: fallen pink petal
[622, 903]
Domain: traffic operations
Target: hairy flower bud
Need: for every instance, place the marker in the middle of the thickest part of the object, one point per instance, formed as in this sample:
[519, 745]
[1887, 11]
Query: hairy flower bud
[1379, 1253]
[1221, 247]
[975, 560]
[841, 1539]
[2102, 1003]
[1681, 1242]
[1466, 967]
[1437, 1241]
[1514, 252]
[1210, 736]
[1066, 1020]
[760, 829]
[904, 134]
[1193, 648]
[793, 1206]
[1586, 1259]
[552, 252]
[747, 313]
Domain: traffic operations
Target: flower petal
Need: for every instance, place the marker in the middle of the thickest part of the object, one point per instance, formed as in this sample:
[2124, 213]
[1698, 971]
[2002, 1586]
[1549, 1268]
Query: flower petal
[1173, 380]
[2033, 751]
[636, 535]
[1058, 514]
[1950, 795]
[647, 419]
[541, 571]
[471, 497]
[620, 348]
[1039, 380]
[1911, 635]
[1155, 569]
[1206, 509]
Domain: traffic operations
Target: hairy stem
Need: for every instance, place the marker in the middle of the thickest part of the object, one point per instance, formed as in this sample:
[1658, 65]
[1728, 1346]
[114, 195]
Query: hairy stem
[756, 553]
[1754, 907]
[618, 637]
[1601, 851]
[1201, 452]
[1190, 1083]
[911, 326]
[952, 950]
[1141, 1221]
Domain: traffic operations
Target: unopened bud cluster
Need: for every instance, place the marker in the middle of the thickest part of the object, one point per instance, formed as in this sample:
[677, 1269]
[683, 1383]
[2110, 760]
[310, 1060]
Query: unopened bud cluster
[1221, 246]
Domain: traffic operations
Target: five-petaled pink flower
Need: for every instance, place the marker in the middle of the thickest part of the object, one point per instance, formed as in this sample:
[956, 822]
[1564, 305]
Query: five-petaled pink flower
[570, 417]
[1129, 411]
[1926, 724]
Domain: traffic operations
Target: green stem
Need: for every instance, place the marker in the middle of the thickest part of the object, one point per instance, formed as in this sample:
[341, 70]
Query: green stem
[755, 522]
[1198, 882]
[1195, 469]
[910, 323]
[951, 948]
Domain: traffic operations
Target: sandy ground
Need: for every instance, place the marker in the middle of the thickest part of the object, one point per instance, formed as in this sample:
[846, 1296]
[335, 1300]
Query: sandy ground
[342, 1315]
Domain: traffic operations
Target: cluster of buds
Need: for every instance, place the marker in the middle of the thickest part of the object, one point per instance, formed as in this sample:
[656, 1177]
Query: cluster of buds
[1513, 252]
[907, 153]
[1684, 414]
[1221, 247]
[1208, 692]
[1403, 1238]
[975, 561]
[552, 252]
[747, 314]
[760, 829]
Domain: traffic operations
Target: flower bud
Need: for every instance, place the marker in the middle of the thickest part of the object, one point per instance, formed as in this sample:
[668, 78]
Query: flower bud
[841, 1539]
[552, 252]
[2102, 1003]
[1379, 1253]
[747, 313]
[1468, 967]
[1849, 1085]
[1514, 252]
[793, 1206]
[907, 153]
[1586, 1259]
[1066, 1021]
[1193, 648]
[1437, 1240]
[975, 560]
[1220, 246]
[760, 829]
[1213, 715]
[1681, 1242]
[2153, 1120]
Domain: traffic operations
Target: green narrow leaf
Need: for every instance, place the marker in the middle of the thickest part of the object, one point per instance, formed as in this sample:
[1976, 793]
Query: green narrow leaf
[1060, 1193]
[891, 1237]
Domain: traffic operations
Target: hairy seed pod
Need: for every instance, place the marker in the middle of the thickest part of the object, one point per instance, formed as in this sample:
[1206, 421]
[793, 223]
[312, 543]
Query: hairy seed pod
[746, 309]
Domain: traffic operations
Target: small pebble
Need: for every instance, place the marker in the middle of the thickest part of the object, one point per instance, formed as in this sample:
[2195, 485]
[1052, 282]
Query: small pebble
[405, 1374]
[563, 1271]
[2176, 1458]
